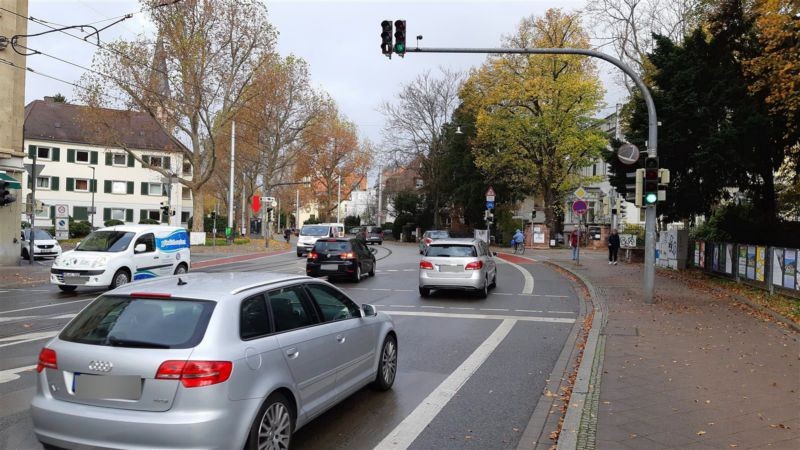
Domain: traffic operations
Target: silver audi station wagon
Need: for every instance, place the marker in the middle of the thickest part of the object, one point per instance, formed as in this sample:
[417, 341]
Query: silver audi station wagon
[211, 360]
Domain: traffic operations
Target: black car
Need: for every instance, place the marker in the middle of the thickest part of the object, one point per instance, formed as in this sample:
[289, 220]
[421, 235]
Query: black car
[340, 257]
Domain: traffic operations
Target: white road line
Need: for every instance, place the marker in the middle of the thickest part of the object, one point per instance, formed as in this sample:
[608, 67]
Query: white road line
[26, 290]
[561, 312]
[380, 289]
[402, 306]
[357, 289]
[9, 319]
[63, 316]
[402, 290]
[449, 315]
[46, 306]
[528, 288]
[13, 374]
[407, 431]
[556, 296]
[410, 270]
[492, 309]
[29, 337]
[528, 310]
[455, 307]
[436, 307]
[392, 270]
[501, 293]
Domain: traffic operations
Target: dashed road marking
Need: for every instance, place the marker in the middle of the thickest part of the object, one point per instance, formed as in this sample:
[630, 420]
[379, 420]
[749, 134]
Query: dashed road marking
[402, 306]
[492, 309]
[47, 306]
[528, 310]
[435, 307]
[402, 290]
[502, 293]
[455, 307]
[28, 337]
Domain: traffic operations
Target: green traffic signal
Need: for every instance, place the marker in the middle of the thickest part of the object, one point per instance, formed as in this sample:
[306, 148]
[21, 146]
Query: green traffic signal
[399, 48]
[400, 37]
[650, 198]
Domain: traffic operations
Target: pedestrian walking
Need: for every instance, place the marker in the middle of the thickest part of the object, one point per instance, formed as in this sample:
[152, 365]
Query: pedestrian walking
[287, 233]
[613, 246]
[573, 242]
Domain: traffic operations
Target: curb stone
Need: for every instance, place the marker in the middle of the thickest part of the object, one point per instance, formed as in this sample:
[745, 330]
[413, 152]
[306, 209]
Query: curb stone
[580, 422]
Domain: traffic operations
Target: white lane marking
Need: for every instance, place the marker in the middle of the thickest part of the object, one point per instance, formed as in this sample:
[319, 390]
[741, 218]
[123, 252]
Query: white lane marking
[437, 307]
[402, 290]
[8, 319]
[63, 316]
[556, 296]
[410, 270]
[26, 290]
[13, 374]
[528, 288]
[492, 309]
[561, 312]
[501, 293]
[357, 289]
[407, 431]
[46, 306]
[449, 315]
[454, 307]
[392, 270]
[528, 310]
[3, 292]
[380, 289]
[402, 306]
[29, 337]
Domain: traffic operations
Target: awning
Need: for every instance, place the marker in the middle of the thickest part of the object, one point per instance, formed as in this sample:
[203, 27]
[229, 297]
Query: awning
[13, 183]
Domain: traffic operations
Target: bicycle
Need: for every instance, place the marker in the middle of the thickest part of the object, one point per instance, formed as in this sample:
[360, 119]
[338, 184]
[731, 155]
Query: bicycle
[519, 248]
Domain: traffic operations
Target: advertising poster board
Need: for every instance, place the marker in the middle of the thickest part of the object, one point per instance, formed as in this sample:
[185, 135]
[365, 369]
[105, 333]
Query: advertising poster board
[760, 254]
[790, 268]
[751, 262]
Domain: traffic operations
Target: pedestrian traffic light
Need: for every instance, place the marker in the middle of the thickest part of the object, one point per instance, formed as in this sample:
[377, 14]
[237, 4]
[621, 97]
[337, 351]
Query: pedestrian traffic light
[5, 194]
[637, 199]
[164, 209]
[651, 179]
[386, 38]
[400, 37]
[663, 176]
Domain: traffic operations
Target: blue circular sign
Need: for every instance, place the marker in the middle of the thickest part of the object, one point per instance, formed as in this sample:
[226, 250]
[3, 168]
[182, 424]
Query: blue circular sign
[580, 207]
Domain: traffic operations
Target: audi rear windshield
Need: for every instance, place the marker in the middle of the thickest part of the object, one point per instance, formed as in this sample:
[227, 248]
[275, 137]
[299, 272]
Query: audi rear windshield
[118, 321]
[106, 241]
[453, 251]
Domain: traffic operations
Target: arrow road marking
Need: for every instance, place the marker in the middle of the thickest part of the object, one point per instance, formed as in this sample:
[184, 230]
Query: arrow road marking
[13, 374]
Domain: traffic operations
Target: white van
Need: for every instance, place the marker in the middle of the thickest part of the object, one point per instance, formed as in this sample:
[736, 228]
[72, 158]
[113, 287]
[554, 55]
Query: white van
[310, 233]
[113, 256]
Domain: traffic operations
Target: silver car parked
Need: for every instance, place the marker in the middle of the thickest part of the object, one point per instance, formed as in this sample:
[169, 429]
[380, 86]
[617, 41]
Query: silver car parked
[222, 361]
[430, 236]
[464, 264]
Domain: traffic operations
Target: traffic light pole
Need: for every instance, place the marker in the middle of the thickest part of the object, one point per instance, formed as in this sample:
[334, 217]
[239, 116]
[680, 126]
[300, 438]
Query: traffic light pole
[652, 141]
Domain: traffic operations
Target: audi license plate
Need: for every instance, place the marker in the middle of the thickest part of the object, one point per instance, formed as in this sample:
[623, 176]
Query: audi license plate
[330, 267]
[116, 387]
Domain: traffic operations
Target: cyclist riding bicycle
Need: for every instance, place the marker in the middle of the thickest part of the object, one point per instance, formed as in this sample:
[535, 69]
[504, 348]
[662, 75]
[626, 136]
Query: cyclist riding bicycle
[518, 240]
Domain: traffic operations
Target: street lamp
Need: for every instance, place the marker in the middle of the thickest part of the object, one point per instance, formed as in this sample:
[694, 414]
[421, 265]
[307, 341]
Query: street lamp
[91, 186]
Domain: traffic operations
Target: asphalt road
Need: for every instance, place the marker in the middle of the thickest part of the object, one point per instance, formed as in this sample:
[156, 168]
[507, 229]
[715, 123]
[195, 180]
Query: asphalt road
[470, 370]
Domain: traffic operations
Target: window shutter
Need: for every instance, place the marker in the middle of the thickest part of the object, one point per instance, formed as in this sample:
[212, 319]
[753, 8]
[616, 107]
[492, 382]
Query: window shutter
[93, 157]
[31, 151]
[70, 155]
[166, 162]
[142, 215]
[146, 159]
[92, 185]
[53, 183]
[130, 187]
[80, 213]
[109, 158]
[70, 184]
[107, 186]
[52, 210]
[55, 154]
[130, 160]
[145, 189]
[106, 214]
[128, 215]
[164, 218]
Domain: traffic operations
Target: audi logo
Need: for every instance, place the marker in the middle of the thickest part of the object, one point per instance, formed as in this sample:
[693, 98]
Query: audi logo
[101, 366]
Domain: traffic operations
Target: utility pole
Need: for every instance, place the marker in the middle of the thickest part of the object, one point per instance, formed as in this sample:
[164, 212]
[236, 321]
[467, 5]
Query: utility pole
[94, 183]
[339, 200]
[380, 180]
[652, 141]
[243, 225]
[33, 177]
[230, 190]
[297, 215]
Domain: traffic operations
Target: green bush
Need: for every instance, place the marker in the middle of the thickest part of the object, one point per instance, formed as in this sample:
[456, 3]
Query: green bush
[387, 226]
[113, 222]
[635, 229]
[79, 229]
[351, 221]
[148, 222]
[399, 223]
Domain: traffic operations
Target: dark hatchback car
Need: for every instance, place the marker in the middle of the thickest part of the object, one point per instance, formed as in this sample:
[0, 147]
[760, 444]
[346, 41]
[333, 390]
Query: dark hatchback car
[340, 258]
[373, 235]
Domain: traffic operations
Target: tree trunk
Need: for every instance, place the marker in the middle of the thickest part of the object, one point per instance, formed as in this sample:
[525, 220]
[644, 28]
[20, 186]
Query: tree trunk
[549, 214]
[197, 210]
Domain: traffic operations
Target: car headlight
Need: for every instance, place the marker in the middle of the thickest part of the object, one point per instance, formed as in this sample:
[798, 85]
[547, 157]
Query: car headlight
[100, 262]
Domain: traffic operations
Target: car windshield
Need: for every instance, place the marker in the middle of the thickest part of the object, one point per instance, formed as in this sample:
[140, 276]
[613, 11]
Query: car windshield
[374, 230]
[39, 235]
[332, 246]
[439, 235]
[315, 231]
[140, 323]
[454, 251]
[106, 241]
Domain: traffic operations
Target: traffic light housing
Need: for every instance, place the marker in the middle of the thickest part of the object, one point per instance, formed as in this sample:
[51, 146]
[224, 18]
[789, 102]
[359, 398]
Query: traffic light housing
[651, 181]
[400, 37]
[386, 38]
[5, 194]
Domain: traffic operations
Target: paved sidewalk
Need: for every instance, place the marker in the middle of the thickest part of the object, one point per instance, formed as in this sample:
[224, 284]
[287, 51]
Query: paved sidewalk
[695, 370]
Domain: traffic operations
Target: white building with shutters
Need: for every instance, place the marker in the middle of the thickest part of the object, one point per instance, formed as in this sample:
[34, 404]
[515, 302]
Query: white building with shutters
[78, 169]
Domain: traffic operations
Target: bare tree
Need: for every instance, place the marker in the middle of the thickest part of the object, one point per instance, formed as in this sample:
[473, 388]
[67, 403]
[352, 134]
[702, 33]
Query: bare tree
[413, 134]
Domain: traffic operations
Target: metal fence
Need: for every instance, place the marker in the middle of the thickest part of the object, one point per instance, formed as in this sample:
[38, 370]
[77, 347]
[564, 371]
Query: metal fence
[770, 268]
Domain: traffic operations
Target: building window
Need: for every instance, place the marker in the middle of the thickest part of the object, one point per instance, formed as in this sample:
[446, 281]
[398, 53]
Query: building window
[154, 214]
[43, 153]
[186, 193]
[187, 168]
[185, 216]
[82, 156]
[156, 161]
[119, 159]
[81, 185]
[154, 189]
[119, 187]
[118, 214]
[43, 183]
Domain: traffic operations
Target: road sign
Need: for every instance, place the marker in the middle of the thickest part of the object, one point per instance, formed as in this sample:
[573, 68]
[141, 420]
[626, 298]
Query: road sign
[489, 204]
[628, 154]
[62, 211]
[580, 207]
[490, 194]
[38, 170]
[580, 193]
[256, 204]
[91, 210]
[62, 225]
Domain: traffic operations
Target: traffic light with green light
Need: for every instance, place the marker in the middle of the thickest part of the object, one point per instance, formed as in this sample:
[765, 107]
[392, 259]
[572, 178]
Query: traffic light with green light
[651, 181]
[386, 38]
[400, 37]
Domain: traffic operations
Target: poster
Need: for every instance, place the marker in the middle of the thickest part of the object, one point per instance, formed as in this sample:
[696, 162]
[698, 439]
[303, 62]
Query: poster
[729, 259]
[777, 267]
[627, 240]
[789, 268]
[715, 258]
[760, 253]
[703, 255]
[742, 260]
[751, 262]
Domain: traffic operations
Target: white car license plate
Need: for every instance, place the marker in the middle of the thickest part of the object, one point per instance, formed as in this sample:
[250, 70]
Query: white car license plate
[71, 275]
[120, 387]
[451, 269]
[330, 267]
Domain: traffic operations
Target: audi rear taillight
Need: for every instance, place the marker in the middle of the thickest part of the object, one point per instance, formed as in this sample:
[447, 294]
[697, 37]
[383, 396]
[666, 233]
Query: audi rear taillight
[313, 255]
[476, 265]
[427, 265]
[47, 359]
[195, 373]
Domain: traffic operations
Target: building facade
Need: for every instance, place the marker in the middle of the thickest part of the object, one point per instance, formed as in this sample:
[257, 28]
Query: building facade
[78, 171]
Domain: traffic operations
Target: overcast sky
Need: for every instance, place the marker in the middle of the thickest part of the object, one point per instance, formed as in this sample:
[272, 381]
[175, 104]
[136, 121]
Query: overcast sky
[339, 39]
